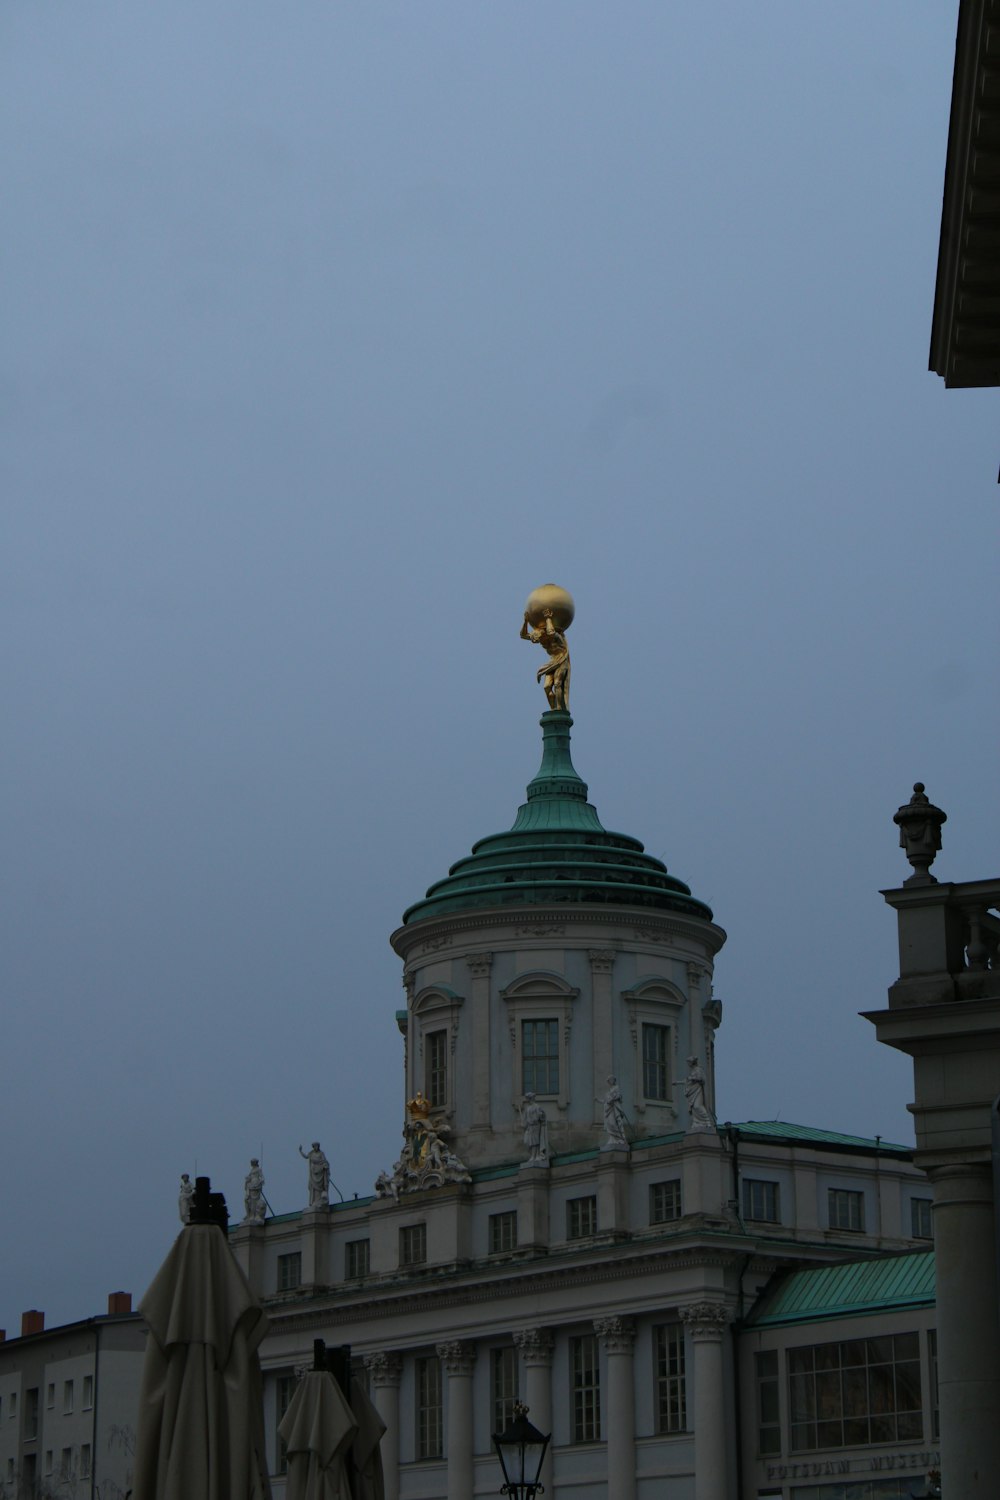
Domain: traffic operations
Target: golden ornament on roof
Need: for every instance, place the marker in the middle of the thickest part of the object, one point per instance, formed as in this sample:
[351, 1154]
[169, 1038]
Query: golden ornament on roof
[547, 615]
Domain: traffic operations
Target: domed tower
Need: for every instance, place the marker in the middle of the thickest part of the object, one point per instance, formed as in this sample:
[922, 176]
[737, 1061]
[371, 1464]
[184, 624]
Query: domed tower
[554, 960]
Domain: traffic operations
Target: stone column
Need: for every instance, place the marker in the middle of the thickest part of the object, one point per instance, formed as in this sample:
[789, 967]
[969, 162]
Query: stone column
[706, 1322]
[602, 961]
[479, 967]
[459, 1359]
[535, 1345]
[618, 1336]
[383, 1373]
[968, 1356]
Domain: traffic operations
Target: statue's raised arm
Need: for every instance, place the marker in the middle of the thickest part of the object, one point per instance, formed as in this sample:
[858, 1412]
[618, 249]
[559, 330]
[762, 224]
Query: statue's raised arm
[548, 615]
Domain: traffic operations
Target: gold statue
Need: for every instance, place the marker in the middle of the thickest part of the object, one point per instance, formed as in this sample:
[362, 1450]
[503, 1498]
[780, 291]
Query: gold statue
[548, 614]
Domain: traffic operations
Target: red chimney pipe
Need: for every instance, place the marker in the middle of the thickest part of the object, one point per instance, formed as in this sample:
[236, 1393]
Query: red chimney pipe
[119, 1303]
[32, 1321]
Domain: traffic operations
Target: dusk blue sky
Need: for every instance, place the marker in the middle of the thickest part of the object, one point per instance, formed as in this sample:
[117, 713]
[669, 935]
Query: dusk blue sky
[330, 331]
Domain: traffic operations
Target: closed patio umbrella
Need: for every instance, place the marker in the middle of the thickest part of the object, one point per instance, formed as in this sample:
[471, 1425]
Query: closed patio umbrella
[201, 1416]
[318, 1429]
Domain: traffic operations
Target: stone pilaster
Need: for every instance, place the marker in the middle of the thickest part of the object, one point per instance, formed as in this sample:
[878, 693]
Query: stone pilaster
[384, 1370]
[618, 1338]
[535, 1348]
[458, 1359]
[706, 1323]
[480, 965]
[602, 962]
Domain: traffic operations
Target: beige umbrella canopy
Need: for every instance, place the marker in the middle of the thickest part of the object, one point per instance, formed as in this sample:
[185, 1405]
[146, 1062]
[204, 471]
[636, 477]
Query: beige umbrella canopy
[317, 1430]
[201, 1415]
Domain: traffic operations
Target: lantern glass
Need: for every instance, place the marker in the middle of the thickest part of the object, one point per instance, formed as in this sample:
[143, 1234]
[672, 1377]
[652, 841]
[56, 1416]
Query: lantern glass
[522, 1450]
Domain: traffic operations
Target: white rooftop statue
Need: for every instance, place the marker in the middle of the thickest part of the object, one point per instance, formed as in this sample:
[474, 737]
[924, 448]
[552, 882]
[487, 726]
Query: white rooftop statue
[319, 1176]
[184, 1198]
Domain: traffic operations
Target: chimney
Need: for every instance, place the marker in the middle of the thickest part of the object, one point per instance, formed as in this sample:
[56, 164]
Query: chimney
[32, 1321]
[3, 1335]
[119, 1303]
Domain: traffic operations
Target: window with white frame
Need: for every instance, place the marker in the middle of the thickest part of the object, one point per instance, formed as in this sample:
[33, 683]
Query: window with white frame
[540, 1015]
[671, 1389]
[436, 1013]
[67, 1397]
[503, 1234]
[581, 1217]
[768, 1403]
[66, 1463]
[50, 1395]
[88, 1392]
[413, 1245]
[436, 1068]
[429, 1408]
[922, 1218]
[846, 1209]
[664, 1201]
[761, 1200]
[585, 1377]
[504, 1387]
[290, 1271]
[85, 1460]
[357, 1259]
[653, 1008]
[655, 1062]
[540, 1057]
[48, 1463]
[284, 1390]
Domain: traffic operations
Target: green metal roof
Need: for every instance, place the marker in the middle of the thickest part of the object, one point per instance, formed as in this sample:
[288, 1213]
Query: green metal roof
[859, 1286]
[808, 1135]
[557, 851]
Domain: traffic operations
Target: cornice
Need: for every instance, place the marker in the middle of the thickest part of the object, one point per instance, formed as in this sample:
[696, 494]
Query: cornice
[529, 1281]
[637, 925]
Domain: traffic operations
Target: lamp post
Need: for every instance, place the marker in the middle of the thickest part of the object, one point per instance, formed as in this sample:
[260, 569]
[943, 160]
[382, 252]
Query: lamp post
[521, 1450]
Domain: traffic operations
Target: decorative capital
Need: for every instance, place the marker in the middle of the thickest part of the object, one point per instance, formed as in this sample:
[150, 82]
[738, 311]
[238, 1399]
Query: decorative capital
[457, 1356]
[535, 1345]
[602, 960]
[618, 1334]
[479, 964]
[695, 972]
[706, 1320]
[919, 823]
[383, 1367]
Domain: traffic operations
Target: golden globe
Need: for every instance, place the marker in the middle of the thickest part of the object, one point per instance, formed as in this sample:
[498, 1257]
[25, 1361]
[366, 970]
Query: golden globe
[550, 596]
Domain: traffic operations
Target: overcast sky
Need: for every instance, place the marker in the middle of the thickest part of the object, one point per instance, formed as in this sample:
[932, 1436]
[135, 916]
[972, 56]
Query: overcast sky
[330, 331]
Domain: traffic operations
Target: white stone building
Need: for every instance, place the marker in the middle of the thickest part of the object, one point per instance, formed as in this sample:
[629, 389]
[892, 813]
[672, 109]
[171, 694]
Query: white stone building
[599, 1269]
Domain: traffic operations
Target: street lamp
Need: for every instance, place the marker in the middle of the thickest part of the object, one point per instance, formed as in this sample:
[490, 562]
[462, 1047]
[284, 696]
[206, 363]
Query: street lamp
[521, 1450]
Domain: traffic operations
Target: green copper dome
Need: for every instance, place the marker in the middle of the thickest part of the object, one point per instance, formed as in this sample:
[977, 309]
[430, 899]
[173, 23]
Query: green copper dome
[557, 851]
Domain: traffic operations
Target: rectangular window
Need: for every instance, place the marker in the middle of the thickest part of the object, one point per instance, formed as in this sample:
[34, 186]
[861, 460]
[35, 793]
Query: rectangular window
[357, 1259]
[67, 1396]
[50, 1395]
[664, 1201]
[436, 1068]
[847, 1210]
[655, 1059]
[283, 1392]
[48, 1463]
[290, 1271]
[768, 1403]
[88, 1392]
[503, 1236]
[31, 1413]
[430, 1433]
[84, 1460]
[921, 1220]
[503, 1370]
[851, 1394]
[413, 1245]
[13, 1404]
[581, 1217]
[540, 1057]
[66, 1463]
[932, 1359]
[671, 1392]
[586, 1377]
[761, 1201]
